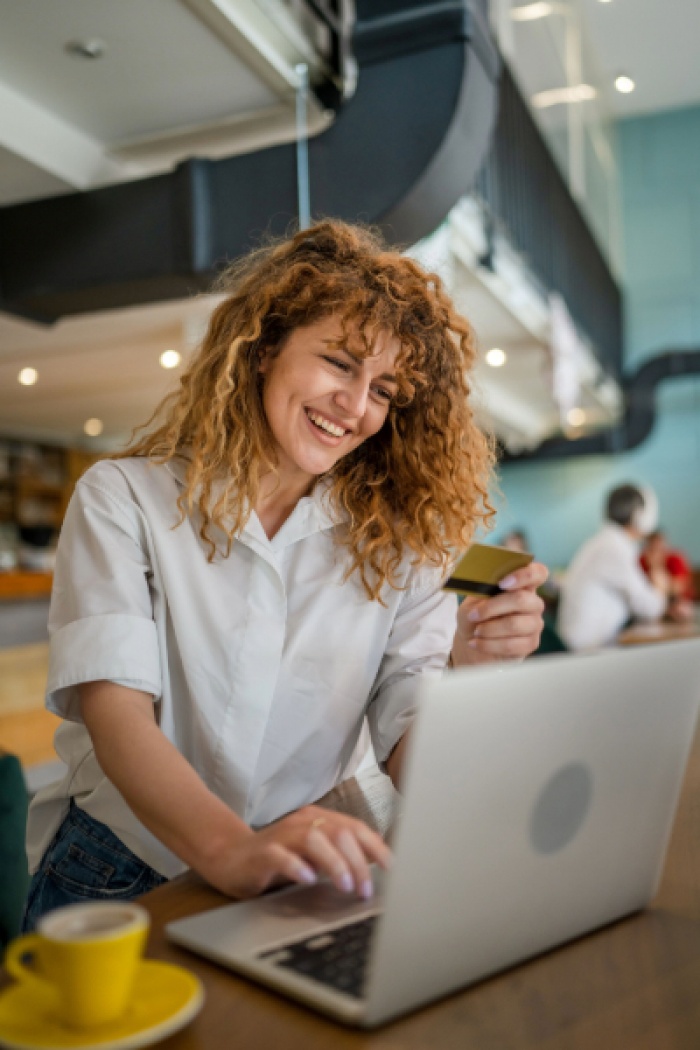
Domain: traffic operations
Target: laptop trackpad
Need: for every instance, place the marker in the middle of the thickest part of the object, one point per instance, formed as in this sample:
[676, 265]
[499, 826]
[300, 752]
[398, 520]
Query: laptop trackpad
[251, 927]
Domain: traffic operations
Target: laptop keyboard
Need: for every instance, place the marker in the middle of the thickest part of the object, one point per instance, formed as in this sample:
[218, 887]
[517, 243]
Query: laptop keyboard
[334, 957]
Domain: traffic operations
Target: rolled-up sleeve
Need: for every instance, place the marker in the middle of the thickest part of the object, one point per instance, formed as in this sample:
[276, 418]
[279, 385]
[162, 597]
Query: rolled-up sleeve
[419, 644]
[101, 617]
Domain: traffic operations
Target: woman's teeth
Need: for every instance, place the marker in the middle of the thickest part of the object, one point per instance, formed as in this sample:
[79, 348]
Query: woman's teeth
[324, 424]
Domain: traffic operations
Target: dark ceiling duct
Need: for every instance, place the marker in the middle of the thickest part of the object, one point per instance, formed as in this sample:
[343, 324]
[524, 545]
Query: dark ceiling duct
[639, 392]
[400, 153]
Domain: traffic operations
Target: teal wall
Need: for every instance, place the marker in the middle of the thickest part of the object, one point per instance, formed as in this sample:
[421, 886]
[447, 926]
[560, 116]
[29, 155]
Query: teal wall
[560, 503]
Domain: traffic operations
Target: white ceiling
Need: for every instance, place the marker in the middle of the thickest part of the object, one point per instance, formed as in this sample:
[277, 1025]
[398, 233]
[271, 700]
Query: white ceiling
[103, 365]
[653, 41]
[150, 78]
[216, 77]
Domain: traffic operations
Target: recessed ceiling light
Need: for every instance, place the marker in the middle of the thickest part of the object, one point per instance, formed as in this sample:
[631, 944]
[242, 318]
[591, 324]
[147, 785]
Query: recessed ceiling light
[625, 84]
[93, 427]
[557, 96]
[496, 357]
[170, 359]
[28, 376]
[604, 1]
[575, 417]
[531, 12]
[91, 48]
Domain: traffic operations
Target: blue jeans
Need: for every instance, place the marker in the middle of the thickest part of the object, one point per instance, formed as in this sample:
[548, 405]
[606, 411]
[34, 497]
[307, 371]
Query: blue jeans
[85, 862]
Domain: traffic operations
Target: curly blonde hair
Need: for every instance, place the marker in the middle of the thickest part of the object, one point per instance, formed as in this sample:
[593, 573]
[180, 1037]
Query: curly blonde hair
[418, 486]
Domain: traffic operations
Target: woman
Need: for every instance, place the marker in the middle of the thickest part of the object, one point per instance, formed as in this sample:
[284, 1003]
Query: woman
[260, 574]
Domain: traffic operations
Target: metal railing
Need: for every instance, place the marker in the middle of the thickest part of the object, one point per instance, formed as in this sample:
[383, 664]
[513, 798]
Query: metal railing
[529, 201]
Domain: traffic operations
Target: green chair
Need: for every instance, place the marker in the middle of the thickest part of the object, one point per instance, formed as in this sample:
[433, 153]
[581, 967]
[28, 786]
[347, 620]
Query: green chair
[14, 875]
[550, 642]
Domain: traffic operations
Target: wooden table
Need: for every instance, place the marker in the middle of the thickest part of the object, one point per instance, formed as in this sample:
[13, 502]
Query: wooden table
[661, 631]
[632, 986]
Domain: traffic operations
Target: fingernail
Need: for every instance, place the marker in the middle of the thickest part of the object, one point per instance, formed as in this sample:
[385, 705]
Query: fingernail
[477, 632]
[346, 883]
[307, 874]
[510, 581]
[473, 615]
[473, 644]
[367, 889]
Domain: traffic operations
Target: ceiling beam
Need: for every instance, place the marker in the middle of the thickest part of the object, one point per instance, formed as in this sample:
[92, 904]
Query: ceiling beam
[223, 138]
[52, 144]
[271, 46]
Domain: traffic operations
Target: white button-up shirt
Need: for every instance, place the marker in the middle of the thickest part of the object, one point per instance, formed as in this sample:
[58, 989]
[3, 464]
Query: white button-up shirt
[263, 665]
[603, 587]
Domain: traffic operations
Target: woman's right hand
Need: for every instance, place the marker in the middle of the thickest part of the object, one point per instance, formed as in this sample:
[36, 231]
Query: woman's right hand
[301, 847]
[169, 797]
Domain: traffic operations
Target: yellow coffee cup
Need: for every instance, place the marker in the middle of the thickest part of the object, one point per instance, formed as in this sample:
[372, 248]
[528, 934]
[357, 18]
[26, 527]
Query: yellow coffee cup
[87, 956]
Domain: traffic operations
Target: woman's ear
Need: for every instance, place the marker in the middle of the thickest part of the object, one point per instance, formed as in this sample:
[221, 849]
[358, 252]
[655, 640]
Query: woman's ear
[266, 355]
[264, 359]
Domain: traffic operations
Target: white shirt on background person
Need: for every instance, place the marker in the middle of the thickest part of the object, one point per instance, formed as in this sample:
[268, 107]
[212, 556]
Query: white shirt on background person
[603, 588]
[262, 665]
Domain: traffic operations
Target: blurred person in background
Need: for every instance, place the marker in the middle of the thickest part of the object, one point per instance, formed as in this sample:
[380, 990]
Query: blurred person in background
[662, 562]
[550, 642]
[516, 540]
[605, 587]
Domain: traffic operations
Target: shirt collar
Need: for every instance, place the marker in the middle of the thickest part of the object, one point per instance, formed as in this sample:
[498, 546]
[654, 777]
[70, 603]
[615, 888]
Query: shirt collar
[313, 513]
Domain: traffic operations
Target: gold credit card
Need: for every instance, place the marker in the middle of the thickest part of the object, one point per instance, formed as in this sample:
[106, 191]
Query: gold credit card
[483, 567]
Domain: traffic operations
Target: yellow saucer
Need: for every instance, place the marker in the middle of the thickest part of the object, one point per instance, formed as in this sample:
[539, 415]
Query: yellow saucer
[166, 999]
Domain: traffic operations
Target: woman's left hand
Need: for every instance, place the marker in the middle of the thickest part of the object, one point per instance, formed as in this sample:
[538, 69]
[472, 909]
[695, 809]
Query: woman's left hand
[505, 627]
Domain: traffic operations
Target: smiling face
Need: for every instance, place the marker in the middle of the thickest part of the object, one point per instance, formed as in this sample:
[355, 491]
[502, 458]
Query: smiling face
[322, 399]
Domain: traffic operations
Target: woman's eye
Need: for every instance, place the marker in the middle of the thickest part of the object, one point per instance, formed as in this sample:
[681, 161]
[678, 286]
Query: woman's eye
[342, 365]
[383, 393]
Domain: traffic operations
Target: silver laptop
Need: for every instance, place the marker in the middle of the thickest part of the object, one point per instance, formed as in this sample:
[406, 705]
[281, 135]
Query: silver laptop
[538, 805]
